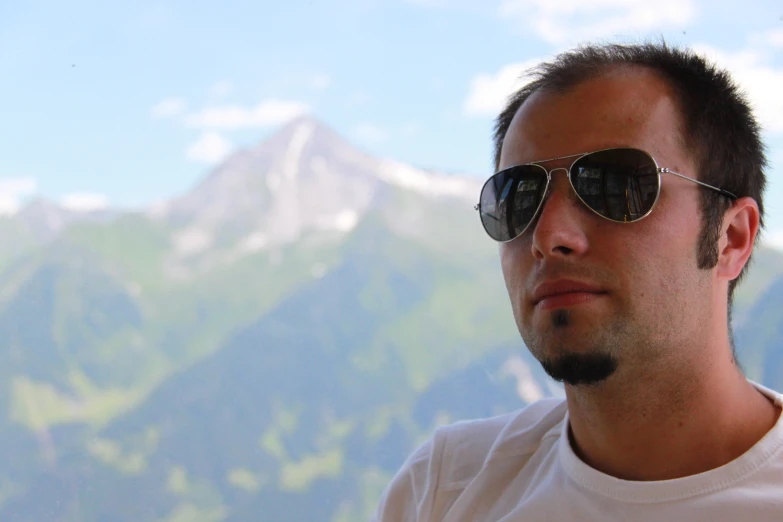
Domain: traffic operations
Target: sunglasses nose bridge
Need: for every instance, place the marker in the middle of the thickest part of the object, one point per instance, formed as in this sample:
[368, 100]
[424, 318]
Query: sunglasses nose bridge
[552, 171]
[550, 177]
[567, 188]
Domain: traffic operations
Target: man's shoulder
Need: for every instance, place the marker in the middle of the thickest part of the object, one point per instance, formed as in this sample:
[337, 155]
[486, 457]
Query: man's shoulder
[456, 453]
[515, 433]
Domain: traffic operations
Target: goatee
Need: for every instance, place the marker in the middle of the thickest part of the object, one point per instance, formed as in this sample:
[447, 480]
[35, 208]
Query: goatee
[580, 368]
[577, 368]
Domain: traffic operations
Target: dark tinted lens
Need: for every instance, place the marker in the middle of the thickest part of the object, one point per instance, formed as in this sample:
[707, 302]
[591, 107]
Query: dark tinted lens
[509, 200]
[620, 184]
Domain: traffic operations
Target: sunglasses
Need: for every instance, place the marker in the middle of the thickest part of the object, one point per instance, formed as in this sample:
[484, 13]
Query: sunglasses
[621, 185]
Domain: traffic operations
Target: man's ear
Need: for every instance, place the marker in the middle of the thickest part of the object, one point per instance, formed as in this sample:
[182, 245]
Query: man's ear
[740, 227]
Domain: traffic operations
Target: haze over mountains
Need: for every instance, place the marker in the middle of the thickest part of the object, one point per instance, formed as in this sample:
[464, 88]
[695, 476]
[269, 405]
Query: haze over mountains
[268, 346]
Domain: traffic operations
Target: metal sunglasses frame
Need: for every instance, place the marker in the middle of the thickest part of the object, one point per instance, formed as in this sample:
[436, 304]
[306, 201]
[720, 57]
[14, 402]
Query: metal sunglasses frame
[579, 156]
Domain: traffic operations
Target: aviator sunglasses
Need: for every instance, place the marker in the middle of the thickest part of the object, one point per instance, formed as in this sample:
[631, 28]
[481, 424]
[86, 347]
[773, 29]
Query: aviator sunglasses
[620, 184]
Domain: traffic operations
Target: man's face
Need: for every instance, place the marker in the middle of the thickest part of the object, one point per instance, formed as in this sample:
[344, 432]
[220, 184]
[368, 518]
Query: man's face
[652, 298]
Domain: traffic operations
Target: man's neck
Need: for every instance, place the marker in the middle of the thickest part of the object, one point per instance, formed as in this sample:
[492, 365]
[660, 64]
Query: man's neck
[668, 426]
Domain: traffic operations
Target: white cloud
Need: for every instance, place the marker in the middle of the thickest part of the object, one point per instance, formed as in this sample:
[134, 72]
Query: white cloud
[84, 201]
[750, 68]
[410, 130]
[209, 148]
[489, 92]
[773, 239]
[168, 108]
[775, 38]
[267, 113]
[760, 81]
[321, 81]
[465, 6]
[222, 88]
[13, 192]
[428, 3]
[369, 133]
[568, 21]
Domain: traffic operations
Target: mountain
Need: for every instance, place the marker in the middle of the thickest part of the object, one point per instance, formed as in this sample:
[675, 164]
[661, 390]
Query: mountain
[760, 338]
[270, 345]
[46, 219]
[304, 179]
[39, 222]
[306, 400]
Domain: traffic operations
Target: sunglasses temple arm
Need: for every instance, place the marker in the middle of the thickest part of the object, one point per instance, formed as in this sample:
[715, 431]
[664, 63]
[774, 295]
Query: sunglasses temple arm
[724, 192]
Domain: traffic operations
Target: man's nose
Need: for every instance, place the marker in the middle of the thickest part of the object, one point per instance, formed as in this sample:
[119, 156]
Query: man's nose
[559, 228]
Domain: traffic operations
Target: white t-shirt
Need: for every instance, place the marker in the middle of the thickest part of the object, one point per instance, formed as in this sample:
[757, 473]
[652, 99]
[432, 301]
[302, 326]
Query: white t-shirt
[520, 467]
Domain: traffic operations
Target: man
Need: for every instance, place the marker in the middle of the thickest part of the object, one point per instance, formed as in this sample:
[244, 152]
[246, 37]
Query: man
[626, 203]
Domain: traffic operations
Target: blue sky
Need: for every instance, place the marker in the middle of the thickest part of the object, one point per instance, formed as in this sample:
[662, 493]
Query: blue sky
[132, 103]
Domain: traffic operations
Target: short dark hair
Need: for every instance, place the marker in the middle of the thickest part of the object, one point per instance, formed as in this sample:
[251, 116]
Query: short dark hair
[718, 123]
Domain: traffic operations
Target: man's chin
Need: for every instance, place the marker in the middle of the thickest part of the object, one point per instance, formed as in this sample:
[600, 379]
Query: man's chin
[580, 369]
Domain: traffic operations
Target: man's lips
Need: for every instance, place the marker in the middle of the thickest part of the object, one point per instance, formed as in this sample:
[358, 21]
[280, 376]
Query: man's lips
[565, 292]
